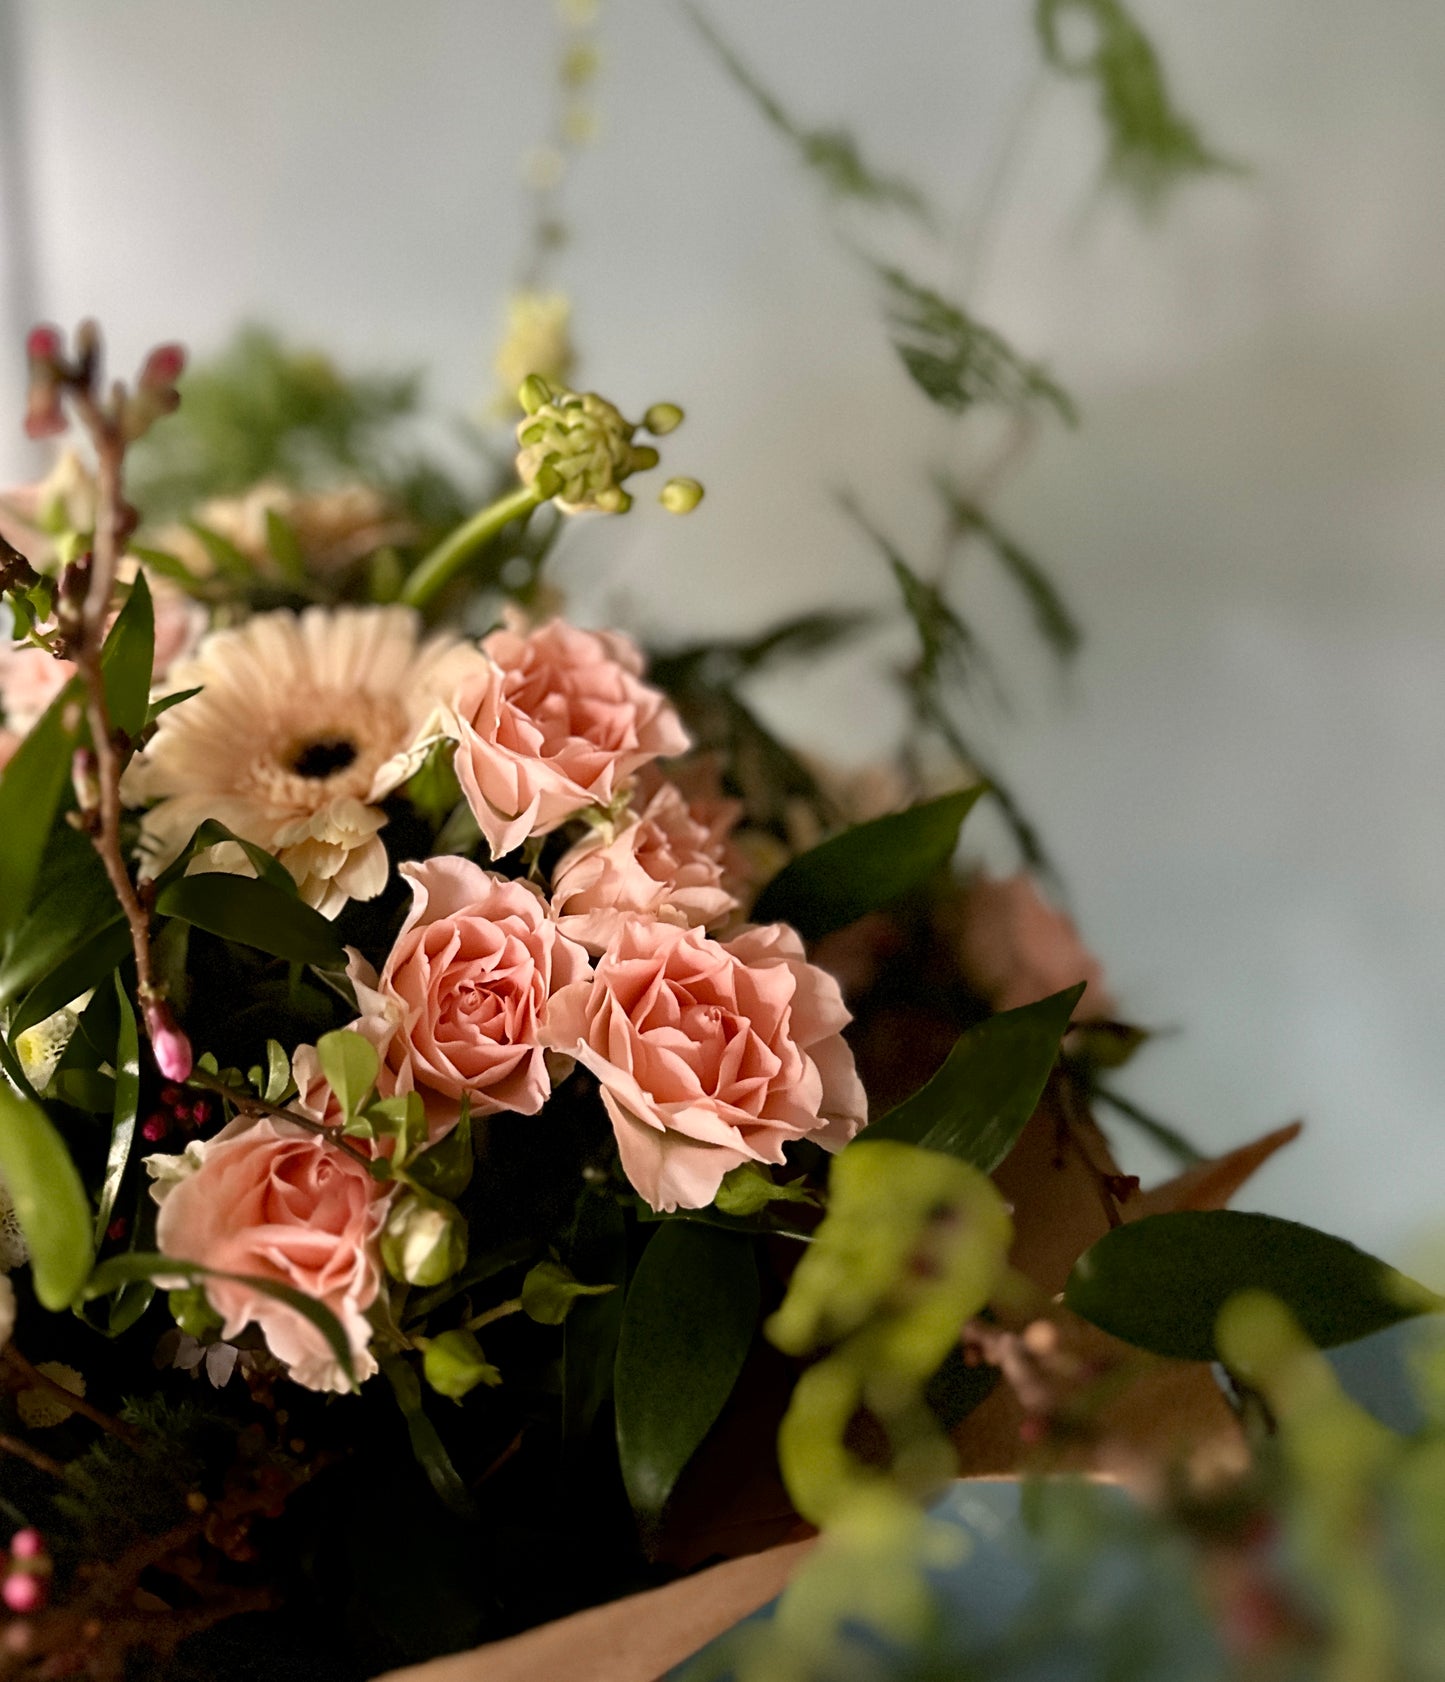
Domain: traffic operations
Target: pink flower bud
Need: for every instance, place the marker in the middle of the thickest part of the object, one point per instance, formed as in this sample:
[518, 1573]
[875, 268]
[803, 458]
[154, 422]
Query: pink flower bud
[171, 1048]
[163, 367]
[43, 344]
[27, 1543]
[23, 1593]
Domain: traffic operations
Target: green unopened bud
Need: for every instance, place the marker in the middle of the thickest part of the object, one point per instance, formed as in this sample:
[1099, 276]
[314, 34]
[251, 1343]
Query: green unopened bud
[424, 1241]
[662, 418]
[454, 1365]
[577, 448]
[192, 1312]
[534, 393]
[680, 496]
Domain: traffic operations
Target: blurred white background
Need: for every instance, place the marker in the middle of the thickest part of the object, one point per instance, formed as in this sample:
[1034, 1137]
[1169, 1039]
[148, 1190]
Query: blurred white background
[1243, 779]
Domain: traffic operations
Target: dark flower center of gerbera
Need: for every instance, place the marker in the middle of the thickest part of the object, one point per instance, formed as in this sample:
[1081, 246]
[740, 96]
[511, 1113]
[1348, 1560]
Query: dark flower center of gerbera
[318, 760]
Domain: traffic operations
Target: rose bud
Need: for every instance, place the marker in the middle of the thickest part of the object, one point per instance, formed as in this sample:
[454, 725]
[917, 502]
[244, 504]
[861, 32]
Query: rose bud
[424, 1240]
[454, 1364]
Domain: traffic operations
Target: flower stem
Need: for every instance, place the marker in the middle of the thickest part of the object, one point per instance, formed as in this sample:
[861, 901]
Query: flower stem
[512, 1306]
[250, 1105]
[437, 569]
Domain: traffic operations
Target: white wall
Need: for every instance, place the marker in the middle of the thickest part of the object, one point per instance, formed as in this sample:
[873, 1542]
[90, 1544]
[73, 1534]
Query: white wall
[1244, 781]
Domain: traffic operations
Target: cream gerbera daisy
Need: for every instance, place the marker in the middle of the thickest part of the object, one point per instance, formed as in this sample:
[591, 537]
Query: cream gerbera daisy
[304, 722]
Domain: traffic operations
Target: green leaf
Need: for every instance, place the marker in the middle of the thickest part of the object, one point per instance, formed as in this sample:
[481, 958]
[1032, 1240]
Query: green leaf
[426, 1444]
[549, 1292]
[128, 658]
[213, 833]
[686, 1330]
[446, 1169]
[50, 1201]
[140, 1264]
[832, 154]
[31, 787]
[277, 1073]
[597, 1249]
[285, 547]
[164, 703]
[223, 555]
[1051, 614]
[84, 968]
[252, 912]
[866, 867]
[977, 1104]
[127, 1102]
[958, 362]
[350, 1064]
[1152, 145]
[1161, 1282]
[72, 902]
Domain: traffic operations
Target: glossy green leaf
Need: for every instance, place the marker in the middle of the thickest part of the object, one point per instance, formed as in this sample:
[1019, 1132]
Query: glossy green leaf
[72, 902]
[977, 1104]
[88, 966]
[350, 1064]
[446, 1169]
[128, 658]
[127, 1102]
[253, 912]
[687, 1326]
[50, 1201]
[213, 833]
[426, 1443]
[125, 1270]
[866, 867]
[164, 703]
[1161, 1282]
[31, 787]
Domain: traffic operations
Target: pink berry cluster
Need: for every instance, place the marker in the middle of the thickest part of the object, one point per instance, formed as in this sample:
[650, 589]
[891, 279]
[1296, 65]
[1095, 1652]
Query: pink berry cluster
[27, 1567]
[177, 1112]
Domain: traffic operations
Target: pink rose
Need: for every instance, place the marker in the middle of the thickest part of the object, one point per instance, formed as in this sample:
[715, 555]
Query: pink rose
[662, 863]
[1014, 949]
[560, 721]
[30, 679]
[463, 995]
[267, 1199]
[710, 1054]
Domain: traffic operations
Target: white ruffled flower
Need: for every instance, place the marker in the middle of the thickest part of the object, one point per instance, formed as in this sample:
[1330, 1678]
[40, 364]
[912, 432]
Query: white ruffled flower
[303, 725]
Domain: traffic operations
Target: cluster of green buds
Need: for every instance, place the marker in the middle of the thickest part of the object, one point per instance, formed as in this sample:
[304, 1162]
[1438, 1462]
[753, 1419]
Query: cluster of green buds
[577, 449]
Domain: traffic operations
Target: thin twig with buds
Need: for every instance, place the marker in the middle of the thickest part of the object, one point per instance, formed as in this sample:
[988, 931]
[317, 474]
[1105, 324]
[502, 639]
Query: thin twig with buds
[112, 424]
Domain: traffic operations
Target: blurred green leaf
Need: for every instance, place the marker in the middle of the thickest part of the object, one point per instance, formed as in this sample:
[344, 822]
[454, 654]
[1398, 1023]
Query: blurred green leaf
[978, 1103]
[50, 1201]
[1055, 622]
[1152, 145]
[832, 154]
[866, 867]
[687, 1326]
[253, 913]
[957, 361]
[285, 547]
[1161, 1282]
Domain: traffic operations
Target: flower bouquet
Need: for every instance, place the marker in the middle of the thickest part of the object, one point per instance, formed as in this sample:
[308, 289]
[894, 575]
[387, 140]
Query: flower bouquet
[496, 1147]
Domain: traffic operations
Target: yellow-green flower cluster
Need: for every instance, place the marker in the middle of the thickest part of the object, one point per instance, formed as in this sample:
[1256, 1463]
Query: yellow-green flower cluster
[577, 449]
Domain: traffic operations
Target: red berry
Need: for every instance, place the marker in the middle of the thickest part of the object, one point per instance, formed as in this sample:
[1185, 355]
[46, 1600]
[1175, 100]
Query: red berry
[155, 1127]
[117, 1229]
[27, 1543]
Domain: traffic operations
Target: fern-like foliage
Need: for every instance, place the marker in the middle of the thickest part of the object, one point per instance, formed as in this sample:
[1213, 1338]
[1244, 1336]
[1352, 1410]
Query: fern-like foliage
[1152, 145]
[832, 154]
[1051, 613]
[957, 361]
